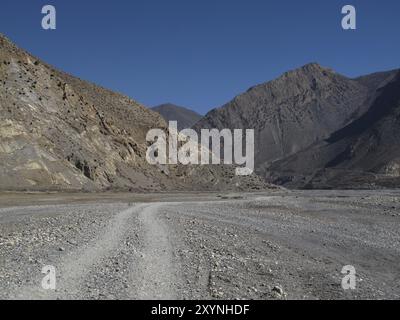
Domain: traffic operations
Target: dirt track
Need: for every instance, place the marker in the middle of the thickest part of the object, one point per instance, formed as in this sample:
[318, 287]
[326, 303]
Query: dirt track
[252, 246]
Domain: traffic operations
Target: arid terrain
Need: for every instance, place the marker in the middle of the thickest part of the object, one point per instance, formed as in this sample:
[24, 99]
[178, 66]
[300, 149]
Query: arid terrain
[314, 129]
[96, 186]
[60, 133]
[317, 129]
[267, 245]
[108, 239]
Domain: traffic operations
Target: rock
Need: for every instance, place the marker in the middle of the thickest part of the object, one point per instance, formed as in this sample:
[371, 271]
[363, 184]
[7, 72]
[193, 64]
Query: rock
[278, 290]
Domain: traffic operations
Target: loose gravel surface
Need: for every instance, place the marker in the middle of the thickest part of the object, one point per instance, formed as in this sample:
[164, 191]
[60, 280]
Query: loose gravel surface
[280, 245]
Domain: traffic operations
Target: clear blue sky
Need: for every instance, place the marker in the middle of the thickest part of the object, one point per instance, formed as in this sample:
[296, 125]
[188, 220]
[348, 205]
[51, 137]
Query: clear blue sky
[201, 53]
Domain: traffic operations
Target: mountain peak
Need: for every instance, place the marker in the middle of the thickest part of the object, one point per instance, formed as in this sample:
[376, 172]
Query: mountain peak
[307, 75]
[4, 41]
[312, 66]
[185, 117]
[315, 67]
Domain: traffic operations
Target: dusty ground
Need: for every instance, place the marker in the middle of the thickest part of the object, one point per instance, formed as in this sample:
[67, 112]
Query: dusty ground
[280, 245]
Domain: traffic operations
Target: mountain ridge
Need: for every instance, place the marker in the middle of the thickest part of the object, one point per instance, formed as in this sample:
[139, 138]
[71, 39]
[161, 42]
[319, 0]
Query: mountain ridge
[365, 154]
[297, 110]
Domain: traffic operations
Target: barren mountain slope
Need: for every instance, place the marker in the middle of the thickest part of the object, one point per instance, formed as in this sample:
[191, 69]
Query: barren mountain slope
[59, 132]
[297, 110]
[364, 154]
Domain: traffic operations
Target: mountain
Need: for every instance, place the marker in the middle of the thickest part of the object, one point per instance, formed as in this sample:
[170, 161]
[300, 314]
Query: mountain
[363, 154]
[301, 109]
[58, 132]
[186, 118]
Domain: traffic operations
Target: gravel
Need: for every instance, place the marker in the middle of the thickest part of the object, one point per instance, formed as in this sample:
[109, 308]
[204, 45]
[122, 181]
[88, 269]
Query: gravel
[291, 245]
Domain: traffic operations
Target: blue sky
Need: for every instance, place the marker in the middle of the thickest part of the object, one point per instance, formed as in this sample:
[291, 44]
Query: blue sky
[202, 53]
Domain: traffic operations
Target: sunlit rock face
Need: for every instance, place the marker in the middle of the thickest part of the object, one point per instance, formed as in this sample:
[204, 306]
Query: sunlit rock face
[58, 132]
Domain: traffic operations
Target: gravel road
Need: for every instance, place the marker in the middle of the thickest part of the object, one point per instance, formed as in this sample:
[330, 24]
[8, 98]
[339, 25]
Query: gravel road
[280, 245]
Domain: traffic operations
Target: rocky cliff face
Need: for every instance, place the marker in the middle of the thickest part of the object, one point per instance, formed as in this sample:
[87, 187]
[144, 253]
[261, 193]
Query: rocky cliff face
[61, 133]
[296, 111]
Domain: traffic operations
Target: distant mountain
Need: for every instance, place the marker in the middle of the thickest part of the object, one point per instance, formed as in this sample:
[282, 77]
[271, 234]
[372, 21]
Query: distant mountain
[297, 111]
[186, 118]
[58, 132]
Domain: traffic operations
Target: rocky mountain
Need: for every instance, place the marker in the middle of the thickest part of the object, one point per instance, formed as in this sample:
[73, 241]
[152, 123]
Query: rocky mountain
[58, 132]
[363, 154]
[298, 111]
[186, 118]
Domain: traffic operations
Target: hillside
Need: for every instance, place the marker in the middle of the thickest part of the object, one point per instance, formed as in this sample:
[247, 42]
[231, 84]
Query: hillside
[302, 108]
[62, 133]
[364, 154]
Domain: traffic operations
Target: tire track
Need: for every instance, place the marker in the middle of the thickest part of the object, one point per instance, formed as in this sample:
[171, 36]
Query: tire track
[157, 275]
[74, 267]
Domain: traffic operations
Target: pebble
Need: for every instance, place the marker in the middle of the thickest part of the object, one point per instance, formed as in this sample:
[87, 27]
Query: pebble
[278, 290]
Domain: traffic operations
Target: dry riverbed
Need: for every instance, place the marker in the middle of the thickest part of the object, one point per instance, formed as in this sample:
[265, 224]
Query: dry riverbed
[277, 245]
